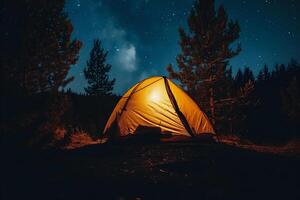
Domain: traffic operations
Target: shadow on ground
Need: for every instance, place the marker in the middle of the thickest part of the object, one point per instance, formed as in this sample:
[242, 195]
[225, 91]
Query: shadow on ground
[173, 170]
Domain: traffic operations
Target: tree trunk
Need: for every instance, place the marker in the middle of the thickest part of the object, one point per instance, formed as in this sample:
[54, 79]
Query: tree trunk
[211, 97]
[212, 105]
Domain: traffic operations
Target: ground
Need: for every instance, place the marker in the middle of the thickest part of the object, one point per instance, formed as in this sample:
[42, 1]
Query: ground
[156, 170]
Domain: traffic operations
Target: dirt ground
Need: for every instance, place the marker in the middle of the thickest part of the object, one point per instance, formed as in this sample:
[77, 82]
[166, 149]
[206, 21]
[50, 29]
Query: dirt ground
[158, 170]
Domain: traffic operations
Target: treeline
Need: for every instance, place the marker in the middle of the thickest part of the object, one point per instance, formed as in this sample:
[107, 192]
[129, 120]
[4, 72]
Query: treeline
[263, 108]
[38, 52]
[272, 113]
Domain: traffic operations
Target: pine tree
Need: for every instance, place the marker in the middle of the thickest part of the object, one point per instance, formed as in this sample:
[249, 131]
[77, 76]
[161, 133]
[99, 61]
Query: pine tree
[96, 72]
[291, 100]
[206, 50]
[44, 51]
[264, 74]
[39, 54]
[239, 78]
[248, 76]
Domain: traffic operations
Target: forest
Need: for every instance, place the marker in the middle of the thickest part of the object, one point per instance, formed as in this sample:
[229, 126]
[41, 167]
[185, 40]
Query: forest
[53, 137]
[39, 110]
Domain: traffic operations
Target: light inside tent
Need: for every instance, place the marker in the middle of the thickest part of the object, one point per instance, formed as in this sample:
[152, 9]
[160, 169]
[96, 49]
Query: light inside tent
[155, 96]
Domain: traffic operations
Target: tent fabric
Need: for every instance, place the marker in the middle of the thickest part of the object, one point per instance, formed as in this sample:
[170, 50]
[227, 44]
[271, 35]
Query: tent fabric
[158, 102]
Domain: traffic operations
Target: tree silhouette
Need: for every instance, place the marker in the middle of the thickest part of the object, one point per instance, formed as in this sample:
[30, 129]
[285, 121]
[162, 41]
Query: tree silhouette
[239, 78]
[44, 51]
[205, 52]
[248, 75]
[96, 72]
[275, 116]
[264, 74]
[38, 55]
[243, 77]
[291, 100]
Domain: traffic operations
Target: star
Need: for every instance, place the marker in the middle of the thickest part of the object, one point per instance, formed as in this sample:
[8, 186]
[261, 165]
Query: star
[272, 28]
[268, 2]
[291, 34]
[78, 3]
[117, 49]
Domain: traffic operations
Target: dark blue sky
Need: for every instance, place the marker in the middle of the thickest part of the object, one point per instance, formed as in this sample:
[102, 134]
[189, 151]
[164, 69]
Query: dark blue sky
[142, 35]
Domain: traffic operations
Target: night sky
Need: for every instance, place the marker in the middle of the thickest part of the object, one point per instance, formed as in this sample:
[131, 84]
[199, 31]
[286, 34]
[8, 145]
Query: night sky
[142, 35]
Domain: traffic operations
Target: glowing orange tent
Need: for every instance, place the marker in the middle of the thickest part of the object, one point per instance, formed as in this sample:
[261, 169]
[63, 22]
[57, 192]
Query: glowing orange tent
[157, 102]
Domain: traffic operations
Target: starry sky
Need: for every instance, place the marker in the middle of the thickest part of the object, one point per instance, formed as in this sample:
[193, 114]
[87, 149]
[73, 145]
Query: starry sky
[142, 37]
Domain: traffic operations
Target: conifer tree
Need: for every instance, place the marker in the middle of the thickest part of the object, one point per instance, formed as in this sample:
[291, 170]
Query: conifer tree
[39, 53]
[205, 52]
[239, 78]
[43, 50]
[264, 74]
[248, 75]
[96, 72]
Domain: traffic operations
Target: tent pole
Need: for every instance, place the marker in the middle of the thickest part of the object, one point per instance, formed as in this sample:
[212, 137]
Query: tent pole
[176, 108]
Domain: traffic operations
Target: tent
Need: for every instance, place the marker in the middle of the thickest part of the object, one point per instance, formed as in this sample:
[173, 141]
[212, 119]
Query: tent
[157, 102]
